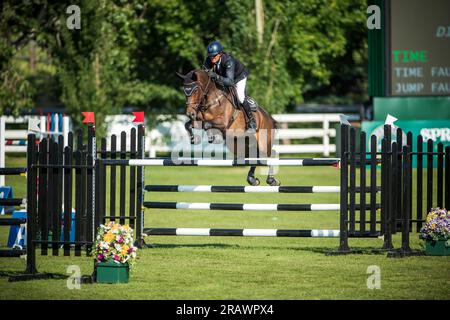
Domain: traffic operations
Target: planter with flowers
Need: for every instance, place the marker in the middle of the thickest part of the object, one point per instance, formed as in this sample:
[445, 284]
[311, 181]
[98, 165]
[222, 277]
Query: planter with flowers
[436, 233]
[114, 253]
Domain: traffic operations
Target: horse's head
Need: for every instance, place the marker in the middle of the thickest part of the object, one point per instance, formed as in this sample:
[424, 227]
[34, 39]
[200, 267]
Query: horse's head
[196, 86]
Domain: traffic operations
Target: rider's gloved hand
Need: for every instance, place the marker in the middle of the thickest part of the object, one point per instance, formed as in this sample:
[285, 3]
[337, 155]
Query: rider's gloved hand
[212, 75]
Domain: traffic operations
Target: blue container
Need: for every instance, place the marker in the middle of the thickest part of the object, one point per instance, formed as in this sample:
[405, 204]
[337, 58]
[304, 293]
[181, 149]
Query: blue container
[13, 230]
[6, 193]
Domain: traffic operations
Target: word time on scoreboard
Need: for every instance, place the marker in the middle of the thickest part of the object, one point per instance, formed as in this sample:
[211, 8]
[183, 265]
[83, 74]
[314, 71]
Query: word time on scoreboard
[419, 47]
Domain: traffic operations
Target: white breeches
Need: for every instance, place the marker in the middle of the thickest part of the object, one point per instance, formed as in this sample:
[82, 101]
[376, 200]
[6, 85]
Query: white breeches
[240, 89]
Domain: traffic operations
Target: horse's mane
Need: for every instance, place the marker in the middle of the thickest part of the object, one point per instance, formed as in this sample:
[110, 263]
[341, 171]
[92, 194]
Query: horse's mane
[195, 75]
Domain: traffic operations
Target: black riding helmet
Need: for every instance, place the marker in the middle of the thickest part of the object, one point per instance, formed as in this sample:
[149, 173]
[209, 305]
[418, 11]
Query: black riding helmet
[214, 48]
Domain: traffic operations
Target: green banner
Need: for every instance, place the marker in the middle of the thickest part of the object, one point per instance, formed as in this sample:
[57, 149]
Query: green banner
[412, 108]
[438, 131]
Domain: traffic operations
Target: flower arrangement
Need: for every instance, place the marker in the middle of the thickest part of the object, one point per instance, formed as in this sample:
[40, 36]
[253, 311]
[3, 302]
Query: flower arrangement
[114, 242]
[437, 226]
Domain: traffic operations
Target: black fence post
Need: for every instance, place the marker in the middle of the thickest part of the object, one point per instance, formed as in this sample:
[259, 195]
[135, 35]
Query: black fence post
[409, 139]
[53, 213]
[98, 217]
[132, 193]
[440, 175]
[112, 179]
[447, 177]
[32, 183]
[386, 216]
[373, 185]
[42, 213]
[90, 196]
[406, 199]
[102, 181]
[419, 183]
[398, 187]
[78, 203]
[59, 178]
[393, 164]
[123, 177]
[67, 199]
[352, 188]
[429, 175]
[140, 188]
[343, 235]
[362, 183]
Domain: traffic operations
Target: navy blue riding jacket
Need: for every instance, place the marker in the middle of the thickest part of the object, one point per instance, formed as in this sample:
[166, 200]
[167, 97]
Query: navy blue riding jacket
[230, 69]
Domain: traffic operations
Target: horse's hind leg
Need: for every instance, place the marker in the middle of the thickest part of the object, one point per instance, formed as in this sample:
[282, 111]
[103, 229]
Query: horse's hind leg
[271, 180]
[265, 141]
[251, 179]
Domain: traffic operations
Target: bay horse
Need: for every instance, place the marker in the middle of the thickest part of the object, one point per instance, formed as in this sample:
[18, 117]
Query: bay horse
[211, 107]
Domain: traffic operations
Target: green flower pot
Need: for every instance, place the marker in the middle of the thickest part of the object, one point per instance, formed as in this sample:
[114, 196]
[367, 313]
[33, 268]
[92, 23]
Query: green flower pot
[111, 272]
[437, 248]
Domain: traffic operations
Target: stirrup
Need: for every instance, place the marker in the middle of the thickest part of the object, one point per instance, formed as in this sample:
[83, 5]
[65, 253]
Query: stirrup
[250, 128]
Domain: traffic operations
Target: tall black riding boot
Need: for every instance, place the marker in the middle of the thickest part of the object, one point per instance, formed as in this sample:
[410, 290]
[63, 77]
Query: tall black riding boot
[251, 126]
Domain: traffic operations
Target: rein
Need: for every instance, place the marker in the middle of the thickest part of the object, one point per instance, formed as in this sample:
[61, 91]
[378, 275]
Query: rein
[199, 107]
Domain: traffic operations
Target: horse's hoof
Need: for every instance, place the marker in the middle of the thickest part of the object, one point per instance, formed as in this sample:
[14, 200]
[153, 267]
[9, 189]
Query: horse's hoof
[253, 181]
[272, 181]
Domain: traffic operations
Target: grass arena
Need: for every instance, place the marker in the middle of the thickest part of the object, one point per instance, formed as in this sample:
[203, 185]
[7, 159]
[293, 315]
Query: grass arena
[246, 262]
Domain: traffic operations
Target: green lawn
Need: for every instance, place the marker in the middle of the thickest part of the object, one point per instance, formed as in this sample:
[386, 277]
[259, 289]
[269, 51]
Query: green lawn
[236, 267]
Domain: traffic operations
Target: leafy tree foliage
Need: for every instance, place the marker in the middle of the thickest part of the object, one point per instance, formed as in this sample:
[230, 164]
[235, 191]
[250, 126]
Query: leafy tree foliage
[126, 52]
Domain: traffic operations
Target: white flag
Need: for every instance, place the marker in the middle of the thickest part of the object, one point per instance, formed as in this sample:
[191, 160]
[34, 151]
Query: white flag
[390, 120]
[34, 124]
[344, 119]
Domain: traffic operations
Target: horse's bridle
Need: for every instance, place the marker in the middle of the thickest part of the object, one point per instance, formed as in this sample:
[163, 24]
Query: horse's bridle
[190, 88]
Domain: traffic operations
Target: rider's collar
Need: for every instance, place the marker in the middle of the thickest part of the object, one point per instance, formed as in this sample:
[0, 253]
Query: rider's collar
[217, 64]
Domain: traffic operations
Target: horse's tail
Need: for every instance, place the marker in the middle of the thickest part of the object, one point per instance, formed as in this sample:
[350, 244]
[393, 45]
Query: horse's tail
[273, 122]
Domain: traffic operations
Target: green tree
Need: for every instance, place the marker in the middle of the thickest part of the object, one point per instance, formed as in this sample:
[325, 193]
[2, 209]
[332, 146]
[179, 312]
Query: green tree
[126, 52]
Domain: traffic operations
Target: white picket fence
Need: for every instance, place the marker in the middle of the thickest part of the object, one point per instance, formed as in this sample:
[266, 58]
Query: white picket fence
[325, 132]
[171, 132]
[14, 140]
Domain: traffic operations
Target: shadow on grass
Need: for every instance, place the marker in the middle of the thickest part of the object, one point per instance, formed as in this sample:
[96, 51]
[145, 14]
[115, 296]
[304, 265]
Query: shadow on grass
[328, 251]
[10, 273]
[335, 252]
[321, 250]
[197, 245]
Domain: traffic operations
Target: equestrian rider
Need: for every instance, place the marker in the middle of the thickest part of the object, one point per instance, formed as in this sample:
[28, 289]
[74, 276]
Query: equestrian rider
[228, 71]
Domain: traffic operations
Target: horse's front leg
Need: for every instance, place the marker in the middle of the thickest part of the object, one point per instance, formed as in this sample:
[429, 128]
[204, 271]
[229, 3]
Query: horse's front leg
[213, 133]
[189, 126]
[207, 126]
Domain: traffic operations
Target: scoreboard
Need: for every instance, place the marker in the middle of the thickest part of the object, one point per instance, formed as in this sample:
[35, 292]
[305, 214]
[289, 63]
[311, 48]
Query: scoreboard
[417, 47]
